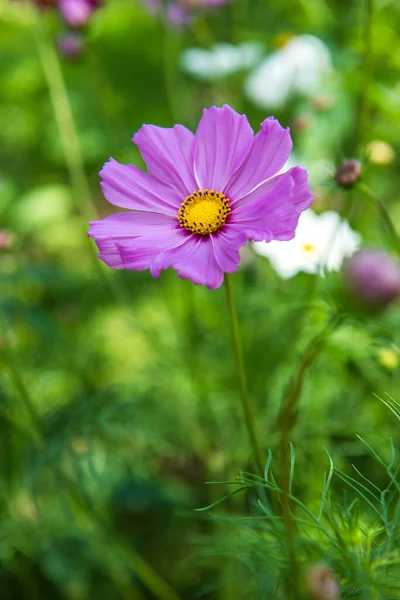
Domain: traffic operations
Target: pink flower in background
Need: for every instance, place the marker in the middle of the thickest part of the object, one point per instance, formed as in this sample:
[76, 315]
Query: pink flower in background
[71, 45]
[180, 12]
[204, 196]
[76, 13]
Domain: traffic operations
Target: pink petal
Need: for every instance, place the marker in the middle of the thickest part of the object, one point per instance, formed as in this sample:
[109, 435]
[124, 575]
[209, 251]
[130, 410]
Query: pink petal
[226, 245]
[141, 252]
[168, 154]
[224, 139]
[269, 152]
[269, 216]
[128, 187]
[192, 259]
[302, 195]
[145, 234]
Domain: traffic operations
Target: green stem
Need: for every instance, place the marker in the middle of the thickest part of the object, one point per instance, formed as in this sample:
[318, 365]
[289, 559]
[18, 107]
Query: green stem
[169, 58]
[384, 213]
[286, 421]
[365, 108]
[244, 395]
[64, 118]
[69, 138]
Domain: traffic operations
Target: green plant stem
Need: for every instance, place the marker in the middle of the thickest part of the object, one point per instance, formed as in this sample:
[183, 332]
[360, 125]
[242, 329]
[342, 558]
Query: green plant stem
[244, 395]
[365, 108]
[64, 118]
[384, 213]
[69, 139]
[157, 586]
[168, 59]
[286, 421]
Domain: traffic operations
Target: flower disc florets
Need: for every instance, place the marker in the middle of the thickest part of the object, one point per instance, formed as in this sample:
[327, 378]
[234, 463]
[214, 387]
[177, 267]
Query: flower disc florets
[204, 212]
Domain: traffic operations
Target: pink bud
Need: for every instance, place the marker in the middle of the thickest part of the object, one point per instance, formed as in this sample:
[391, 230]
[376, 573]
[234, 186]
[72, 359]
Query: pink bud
[373, 277]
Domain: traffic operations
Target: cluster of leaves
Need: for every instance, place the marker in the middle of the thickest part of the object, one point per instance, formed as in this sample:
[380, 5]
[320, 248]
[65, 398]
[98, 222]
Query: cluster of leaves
[355, 532]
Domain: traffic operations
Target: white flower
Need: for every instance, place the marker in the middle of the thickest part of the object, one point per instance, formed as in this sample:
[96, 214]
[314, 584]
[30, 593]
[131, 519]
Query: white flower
[221, 60]
[321, 242]
[299, 67]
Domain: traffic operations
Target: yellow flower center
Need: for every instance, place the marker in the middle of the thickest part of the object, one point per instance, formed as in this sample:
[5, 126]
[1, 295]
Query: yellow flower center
[204, 212]
[309, 248]
[282, 39]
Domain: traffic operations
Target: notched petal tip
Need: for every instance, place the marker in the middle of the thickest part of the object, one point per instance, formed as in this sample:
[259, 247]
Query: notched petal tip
[107, 165]
[225, 108]
[302, 194]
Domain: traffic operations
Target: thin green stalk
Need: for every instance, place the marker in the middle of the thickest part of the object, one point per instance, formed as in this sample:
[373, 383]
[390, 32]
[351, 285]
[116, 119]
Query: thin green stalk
[244, 395]
[69, 137]
[239, 13]
[286, 421]
[365, 108]
[384, 213]
[170, 80]
[64, 118]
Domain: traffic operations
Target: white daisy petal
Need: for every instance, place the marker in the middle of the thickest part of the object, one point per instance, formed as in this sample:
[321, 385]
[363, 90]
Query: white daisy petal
[299, 67]
[220, 61]
[321, 242]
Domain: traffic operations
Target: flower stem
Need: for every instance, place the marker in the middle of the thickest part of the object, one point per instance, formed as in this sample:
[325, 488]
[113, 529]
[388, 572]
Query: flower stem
[368, 67]
[69, 139]
[244, 395]
[171, 82]
[64, 118]
[286, 421]
[384, 213]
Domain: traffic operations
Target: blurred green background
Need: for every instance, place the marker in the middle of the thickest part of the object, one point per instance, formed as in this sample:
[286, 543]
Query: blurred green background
[132, 379]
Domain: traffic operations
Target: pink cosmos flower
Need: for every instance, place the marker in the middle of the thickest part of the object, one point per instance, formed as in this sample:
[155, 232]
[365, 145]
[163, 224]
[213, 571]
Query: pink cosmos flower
[203, 197]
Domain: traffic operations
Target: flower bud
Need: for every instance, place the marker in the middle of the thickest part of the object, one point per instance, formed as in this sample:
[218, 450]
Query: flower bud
[70, 45]
[322, 583]
[323, 102]
[348, 173]
[373, 278]
[380, 152]
[301, 123]
[388, 359]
